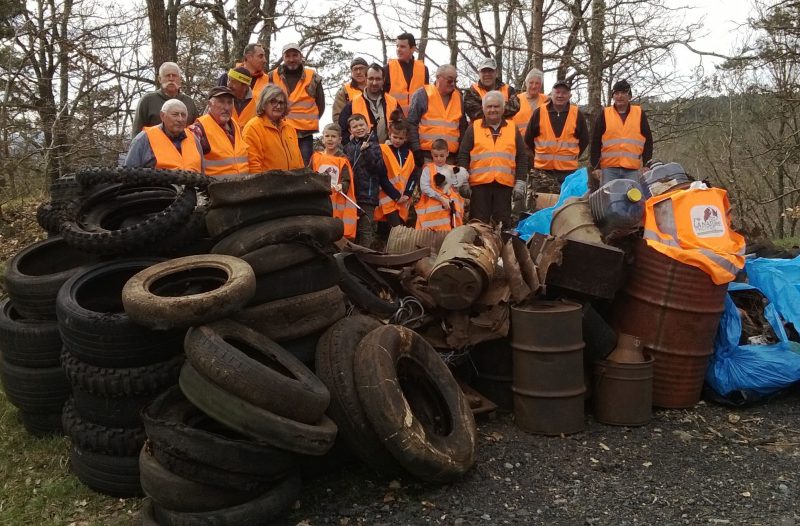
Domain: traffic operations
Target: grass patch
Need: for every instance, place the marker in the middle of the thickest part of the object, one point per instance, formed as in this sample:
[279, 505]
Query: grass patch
[37, 487]
[787, 242]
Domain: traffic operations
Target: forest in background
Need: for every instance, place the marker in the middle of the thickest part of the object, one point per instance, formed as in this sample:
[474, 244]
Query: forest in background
[73, 70]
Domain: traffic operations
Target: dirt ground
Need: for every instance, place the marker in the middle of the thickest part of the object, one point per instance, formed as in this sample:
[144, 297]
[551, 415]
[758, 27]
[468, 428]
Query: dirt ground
[709, 465]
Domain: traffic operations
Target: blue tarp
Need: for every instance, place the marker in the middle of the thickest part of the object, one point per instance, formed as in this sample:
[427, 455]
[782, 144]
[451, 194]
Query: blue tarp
[779, 280]
[575, 185]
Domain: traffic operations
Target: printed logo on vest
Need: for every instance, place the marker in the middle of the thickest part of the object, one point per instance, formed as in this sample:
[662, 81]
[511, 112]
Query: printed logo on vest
[707, 221]
[331, 171]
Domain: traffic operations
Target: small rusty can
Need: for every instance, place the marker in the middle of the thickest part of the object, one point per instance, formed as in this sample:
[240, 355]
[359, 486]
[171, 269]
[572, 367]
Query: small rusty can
[623, 392]
[548, 385]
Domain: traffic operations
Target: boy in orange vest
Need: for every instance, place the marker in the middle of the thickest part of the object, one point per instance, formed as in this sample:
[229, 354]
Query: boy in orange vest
[333, 163]
[401, 171]
[441, 207]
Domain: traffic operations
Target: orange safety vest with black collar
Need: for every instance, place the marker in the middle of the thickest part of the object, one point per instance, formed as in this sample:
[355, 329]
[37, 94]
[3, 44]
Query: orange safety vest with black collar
[167, 155]
[431, 215]
[483, 91]
[351, 91]
[398, 176]
[224, 158]
[399, 88]
[622, 142]
[332, 165]
[493, 161]
[360, 107]
[523, 116]
[557, 153]
[440, 122]
[248, 112]
[695, 230]
[303, 112]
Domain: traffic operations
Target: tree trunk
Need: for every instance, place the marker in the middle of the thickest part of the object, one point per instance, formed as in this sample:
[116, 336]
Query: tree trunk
[595, 80]
[163, 31]
[265, 37]
[382, 34]
[535, 37]
[452, 19]
[423, 32]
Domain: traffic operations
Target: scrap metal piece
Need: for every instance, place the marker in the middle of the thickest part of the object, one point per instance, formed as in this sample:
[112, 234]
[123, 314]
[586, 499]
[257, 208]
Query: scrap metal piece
[379, 259]
[403, 240]
[573, 220]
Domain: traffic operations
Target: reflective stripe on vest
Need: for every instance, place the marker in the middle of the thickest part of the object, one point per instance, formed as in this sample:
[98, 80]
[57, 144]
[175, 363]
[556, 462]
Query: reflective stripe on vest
[399, 88]
[440, 122]
[431, 215]
[167, 155]
[697, 233]
[557, 153]
[398, 176]
[622, 143]
[490, 160]
[332, 166]
[303, 112]
[224, 158]
[360, 107]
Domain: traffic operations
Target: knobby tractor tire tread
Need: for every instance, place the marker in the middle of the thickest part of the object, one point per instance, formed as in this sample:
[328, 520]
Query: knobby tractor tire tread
[124, 381]
[223, 220]
[273, 380]
[176, 243]
[430, 453]
[49, 216]
[34, 390]
[117, 476]
[110, 412]
[28, 343]
[101, 439]
[191, 444]
[180, 494]
[65, 188]
[334, 366]
[318, 230]
[254, 422]
[268, 187]
[141, 177]
[129, 238]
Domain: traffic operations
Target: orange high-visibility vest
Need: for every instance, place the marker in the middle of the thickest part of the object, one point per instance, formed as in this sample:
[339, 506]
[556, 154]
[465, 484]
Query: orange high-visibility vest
[360, 107]
[483, 91]
[622, 143]
[557, 153]
[398, 176]
[440, 122]
[258, 85]
[431, 215]
[167, 155]
[248, 112]
[399, 88]
[695, 229]
[492, 160]
[332, 165]
[351, 91]
[303, 112]
[224, 158]
[523, 116]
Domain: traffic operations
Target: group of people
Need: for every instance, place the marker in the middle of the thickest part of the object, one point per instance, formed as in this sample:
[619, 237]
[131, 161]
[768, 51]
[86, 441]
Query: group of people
[396, 137]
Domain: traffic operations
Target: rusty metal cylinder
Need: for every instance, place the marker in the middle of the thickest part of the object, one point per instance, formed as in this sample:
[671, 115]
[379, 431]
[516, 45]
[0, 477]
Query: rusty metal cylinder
[675, 310]
[623, 392]
[548, 381]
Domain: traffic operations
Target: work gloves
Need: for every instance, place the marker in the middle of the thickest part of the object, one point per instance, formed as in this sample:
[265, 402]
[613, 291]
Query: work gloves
[519, 190]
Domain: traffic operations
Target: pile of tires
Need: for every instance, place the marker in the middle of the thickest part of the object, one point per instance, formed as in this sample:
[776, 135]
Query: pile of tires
[30, 343]
[281, 223]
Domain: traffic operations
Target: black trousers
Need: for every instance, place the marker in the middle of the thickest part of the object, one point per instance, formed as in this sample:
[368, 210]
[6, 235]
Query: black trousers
[491, 203]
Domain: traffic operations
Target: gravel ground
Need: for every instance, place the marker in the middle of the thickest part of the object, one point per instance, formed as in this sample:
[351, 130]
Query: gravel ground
[709, 465]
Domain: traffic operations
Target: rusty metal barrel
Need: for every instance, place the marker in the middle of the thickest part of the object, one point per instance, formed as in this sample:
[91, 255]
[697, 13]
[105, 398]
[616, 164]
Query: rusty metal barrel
[548, 381]
[675, 310]
[623, 392]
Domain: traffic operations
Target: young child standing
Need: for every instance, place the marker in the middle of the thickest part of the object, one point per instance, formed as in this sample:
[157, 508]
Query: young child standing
[401, 170]
[333, 163]
[440, 207]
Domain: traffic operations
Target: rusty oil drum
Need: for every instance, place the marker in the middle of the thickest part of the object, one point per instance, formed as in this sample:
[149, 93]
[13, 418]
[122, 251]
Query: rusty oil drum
[623, 392]
[675, 309]
[548, 385]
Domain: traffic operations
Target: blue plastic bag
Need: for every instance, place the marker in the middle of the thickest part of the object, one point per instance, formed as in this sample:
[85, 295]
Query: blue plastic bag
[575, 185]
[779, 281]
[760, 369]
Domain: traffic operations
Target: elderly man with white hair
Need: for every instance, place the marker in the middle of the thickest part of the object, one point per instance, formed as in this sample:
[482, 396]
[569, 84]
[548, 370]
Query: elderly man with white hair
[168, 146]
[494, 153]
[149, 108]
[531, 99]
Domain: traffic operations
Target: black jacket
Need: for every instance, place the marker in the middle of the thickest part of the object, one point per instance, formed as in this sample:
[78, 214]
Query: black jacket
[369, 171]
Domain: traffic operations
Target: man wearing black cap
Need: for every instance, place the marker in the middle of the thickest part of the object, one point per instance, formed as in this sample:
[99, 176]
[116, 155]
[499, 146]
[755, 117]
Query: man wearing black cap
[349, 90]
[621, 138]
[306, 97]
[557, 134]
[488, 81]
[244, 102]
[224, 150]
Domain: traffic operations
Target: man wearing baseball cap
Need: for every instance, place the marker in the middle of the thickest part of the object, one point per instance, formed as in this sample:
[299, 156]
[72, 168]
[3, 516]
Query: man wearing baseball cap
[351, 88]
[224, 150]
[244, 102]
[306, 97]
[621, 139]
[557, 134]
[488, 81]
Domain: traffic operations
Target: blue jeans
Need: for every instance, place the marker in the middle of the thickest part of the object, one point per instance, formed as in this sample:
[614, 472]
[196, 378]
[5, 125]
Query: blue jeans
[306, 145]
[610, 174]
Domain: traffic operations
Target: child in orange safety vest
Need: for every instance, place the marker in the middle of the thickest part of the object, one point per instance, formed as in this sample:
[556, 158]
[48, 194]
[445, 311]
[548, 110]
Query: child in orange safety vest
[440, 207]
[401, 171]
[335, 164]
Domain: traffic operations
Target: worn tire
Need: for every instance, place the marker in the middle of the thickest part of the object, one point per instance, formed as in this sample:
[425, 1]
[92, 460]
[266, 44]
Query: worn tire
[271, 258]
[364, 287]
[306, 278]
[295, 317]
[223, 220]
[34, 390]
[254, 368]
[49, 216]
[96, 330]
[110, 412]
[140, 177]
[254, 422]
[317, 231]
[65, 188]
[188, 291]
[304, 348]
[273, 185]
[89, 436]
[117, 476]
[334, 365]
[42, 424]
[414, 404]
[35, 274]
[28, 343]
